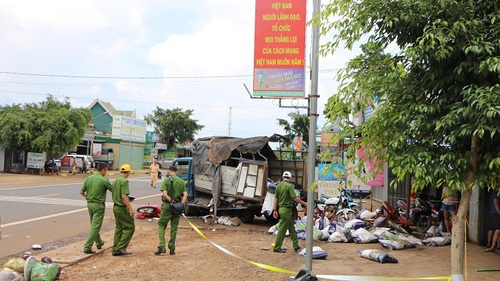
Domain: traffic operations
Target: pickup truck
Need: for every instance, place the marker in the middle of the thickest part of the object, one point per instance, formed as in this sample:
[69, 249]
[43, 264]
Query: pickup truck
[228, 176]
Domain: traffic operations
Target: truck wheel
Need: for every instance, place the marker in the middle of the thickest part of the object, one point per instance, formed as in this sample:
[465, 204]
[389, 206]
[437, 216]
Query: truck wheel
[246, 216]
[190, 210]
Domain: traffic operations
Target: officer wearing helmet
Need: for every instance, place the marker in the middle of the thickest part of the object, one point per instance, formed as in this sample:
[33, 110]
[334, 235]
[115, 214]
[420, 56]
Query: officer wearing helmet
[283, 197]
[124, 214]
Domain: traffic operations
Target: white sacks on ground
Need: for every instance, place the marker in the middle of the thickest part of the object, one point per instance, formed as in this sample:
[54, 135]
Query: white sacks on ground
[392, 241]
[438, 241]
[317, 234]
[325, 233]
[433, 231]
[322, 222]
[337, 237]
[317, 253]
[377, 255]
[379, 231]
[229, 221]
[355, 224]
[366, 215]
[410, 238]
[391, 244]
[362, 235]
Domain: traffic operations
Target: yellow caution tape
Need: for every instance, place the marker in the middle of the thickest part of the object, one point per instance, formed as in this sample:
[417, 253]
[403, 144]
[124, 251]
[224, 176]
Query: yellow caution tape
[329, 277]
[265, 266]
[378, 278]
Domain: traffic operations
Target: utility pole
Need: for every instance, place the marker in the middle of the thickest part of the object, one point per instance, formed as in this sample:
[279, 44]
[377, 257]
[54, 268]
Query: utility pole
[229, 125]
[313, 119]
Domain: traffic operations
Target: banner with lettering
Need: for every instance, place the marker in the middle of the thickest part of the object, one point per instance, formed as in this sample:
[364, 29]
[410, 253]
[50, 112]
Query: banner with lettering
[279, 50]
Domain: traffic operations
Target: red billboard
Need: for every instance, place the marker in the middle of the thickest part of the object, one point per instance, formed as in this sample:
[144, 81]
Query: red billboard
[279, 51]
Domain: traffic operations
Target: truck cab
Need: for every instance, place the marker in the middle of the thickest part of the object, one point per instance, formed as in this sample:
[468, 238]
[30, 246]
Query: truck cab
[185, 171]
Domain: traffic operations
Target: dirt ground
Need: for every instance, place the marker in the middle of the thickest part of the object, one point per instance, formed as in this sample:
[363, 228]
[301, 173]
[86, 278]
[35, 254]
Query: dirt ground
[198, 259]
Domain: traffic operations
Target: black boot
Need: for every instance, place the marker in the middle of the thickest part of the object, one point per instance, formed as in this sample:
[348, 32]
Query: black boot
[160, 251]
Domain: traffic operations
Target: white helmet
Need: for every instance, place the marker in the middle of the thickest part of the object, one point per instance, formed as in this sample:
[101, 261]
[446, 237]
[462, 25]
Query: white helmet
[287, 174]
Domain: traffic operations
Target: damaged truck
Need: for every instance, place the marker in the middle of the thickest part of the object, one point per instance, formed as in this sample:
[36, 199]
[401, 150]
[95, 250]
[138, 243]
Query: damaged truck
[229, 176]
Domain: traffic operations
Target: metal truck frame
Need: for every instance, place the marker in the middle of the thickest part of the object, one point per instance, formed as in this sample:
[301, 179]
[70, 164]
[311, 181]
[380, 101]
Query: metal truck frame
[228, 176]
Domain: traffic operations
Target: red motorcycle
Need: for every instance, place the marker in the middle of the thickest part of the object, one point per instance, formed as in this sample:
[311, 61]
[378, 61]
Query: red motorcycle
[394, 219]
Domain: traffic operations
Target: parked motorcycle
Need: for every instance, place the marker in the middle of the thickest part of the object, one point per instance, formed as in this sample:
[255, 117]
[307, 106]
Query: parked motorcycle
[340, 208]
[424, 212]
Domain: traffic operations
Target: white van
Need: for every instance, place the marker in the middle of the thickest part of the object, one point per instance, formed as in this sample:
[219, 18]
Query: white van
[67, 161]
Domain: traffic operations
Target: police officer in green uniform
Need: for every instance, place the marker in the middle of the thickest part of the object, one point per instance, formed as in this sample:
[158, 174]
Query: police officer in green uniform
[124, 214]
[283, 197]
[94, 190]
[179, 194]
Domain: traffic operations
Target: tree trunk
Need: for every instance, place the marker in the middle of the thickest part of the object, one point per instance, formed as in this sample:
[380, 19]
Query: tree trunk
[458, 236]
[459, 221]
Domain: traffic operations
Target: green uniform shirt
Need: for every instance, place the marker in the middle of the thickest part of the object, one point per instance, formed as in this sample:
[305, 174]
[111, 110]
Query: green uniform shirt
[95, 188]
[285, 193]
[120, 186]
[179, 187]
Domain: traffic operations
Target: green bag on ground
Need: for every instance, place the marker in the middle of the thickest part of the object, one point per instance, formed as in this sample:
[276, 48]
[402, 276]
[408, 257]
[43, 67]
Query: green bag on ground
[43, 272]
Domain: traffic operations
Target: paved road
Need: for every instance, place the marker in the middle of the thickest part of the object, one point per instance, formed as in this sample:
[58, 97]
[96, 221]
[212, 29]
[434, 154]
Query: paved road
[46, 214]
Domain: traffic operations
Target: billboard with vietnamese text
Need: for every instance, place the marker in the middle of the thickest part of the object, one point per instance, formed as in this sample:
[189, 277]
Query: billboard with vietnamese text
[279, 49]
[128, 129]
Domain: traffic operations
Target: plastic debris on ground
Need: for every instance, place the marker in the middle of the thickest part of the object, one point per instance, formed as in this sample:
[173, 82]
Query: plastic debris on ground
[317, 253]
[20, 269]
[230, 221]
[377, 255]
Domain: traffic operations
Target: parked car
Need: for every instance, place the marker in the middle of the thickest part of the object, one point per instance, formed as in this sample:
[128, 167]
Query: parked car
[67, 161]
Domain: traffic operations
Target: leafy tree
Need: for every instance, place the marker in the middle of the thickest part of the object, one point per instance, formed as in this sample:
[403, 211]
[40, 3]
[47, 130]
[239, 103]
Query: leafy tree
[16, 127]
[174, 125]
[50, 126]
[298, 128]
[432, 68]
[61, 127]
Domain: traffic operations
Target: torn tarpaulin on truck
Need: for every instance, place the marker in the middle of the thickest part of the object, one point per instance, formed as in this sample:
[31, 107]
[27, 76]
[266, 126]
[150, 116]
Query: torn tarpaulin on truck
[209, 153]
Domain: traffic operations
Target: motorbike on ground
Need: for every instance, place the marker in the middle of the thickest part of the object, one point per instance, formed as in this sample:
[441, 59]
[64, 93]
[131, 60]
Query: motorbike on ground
[395, 219]
[424, 212]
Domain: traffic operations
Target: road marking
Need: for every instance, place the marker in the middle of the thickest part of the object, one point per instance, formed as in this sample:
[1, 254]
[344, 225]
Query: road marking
[44, 200]
[108, 204]
[63, 184]
[42, 218]
[47, 195]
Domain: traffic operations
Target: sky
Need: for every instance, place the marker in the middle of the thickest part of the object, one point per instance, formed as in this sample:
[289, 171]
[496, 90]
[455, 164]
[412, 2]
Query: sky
[140, 55]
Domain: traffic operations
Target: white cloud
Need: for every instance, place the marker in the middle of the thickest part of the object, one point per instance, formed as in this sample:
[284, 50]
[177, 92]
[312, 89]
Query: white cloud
[147, 39]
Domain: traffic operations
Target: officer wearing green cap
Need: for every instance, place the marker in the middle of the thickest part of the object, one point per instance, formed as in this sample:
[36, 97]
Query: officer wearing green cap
[94, 190]
[283, 197]
[124, 214]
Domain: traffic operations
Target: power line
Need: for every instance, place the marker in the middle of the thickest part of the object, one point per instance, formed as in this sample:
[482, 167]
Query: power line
[137, 77]
[123, 77]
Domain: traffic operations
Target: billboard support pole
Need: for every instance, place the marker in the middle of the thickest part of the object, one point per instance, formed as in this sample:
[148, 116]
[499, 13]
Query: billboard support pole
[313, 119]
